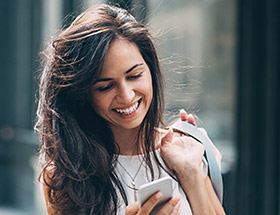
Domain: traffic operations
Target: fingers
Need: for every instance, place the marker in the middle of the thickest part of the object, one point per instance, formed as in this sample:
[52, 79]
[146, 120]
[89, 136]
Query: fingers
[172, 206]
[187, 117]
[132, 209]
[176, 210]
[150, 204]
[183, 115]
[167, 138]
[191, 119]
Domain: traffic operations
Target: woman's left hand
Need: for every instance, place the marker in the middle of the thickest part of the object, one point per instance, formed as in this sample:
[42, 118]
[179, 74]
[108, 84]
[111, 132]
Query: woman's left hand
[181, 153]
[184, 155]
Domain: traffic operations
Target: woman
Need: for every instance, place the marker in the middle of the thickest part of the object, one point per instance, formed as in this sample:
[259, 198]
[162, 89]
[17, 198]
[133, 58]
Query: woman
[99, 112]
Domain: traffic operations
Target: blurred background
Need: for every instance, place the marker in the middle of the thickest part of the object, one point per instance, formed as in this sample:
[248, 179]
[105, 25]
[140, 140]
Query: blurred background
[221, 62]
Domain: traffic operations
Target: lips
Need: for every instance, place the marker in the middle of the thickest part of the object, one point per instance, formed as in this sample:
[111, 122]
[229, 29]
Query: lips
[127, 111]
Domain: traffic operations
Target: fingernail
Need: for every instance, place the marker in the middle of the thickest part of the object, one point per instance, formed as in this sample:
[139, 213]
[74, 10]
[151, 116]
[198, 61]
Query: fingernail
[190, 115]
[158, 195]
[182, 111]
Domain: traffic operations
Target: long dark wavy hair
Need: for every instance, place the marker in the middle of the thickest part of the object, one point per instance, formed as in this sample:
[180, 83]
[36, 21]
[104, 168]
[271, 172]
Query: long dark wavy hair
[77, 145]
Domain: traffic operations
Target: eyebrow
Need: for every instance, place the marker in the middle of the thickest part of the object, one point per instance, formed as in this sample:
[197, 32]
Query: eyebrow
[128, 71]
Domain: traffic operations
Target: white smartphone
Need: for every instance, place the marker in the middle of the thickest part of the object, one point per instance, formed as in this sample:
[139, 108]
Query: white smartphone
[164, 185]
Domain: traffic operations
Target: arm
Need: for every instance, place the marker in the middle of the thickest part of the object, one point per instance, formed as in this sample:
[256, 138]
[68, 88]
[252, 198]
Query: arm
[213, 197]
[200, 193]
[50, 210]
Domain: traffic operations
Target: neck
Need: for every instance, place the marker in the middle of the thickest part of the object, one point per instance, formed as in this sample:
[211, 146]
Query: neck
[126, 140]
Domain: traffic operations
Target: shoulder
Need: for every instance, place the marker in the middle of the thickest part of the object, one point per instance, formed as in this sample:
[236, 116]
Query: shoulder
[47, 173]
[45, 180]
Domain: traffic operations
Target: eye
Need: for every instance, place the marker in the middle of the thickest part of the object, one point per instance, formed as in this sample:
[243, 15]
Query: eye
[102, 89]
[133, 77]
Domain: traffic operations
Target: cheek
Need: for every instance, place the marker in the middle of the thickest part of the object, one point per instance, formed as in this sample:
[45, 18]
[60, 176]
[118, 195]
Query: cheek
[99, 104]
[149, 90]
[145, 88]
[149, 87]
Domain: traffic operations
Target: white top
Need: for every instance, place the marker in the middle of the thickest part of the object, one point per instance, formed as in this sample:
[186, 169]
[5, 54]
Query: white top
[132, 163]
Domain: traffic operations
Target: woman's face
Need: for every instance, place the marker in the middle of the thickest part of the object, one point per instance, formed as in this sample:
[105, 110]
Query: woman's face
[123, 93]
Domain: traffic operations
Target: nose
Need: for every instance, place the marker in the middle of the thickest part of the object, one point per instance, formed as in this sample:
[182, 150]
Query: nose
[125, 93]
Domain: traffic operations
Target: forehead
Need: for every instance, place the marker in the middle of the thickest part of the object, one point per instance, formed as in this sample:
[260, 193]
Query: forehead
[121, 56]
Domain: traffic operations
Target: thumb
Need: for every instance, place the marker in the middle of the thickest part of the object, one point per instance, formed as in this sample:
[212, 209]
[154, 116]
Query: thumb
[132, 208]
[167, 138]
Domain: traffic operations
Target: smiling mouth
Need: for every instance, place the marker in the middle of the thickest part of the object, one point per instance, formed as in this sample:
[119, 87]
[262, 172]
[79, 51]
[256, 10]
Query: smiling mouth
[128, 111]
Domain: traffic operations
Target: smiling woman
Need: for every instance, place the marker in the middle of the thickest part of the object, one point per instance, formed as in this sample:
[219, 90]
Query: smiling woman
[123, 94]
[99, 113]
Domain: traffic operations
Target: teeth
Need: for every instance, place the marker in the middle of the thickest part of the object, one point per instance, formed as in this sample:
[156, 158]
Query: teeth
[128, 110]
